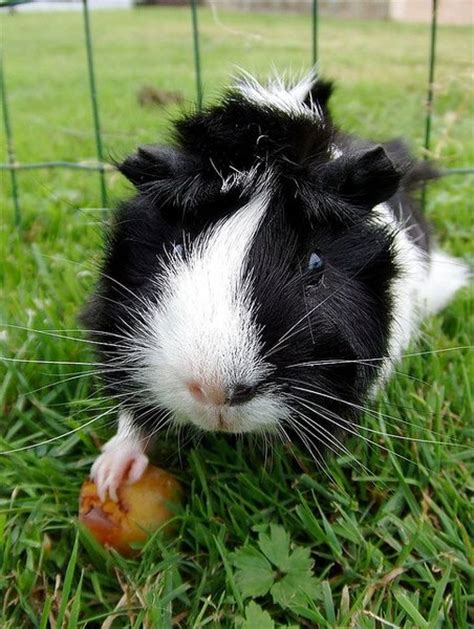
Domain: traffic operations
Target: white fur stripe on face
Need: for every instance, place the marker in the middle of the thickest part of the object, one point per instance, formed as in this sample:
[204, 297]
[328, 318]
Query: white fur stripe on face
[203, 330]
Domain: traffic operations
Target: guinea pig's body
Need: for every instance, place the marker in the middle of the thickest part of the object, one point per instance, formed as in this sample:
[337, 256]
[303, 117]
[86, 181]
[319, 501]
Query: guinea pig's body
[265, 278]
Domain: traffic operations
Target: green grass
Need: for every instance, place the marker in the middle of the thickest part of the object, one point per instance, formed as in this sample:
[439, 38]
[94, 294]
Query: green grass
[391, 546]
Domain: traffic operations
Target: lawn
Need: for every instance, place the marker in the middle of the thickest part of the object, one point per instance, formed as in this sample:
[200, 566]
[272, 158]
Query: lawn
[387, 547]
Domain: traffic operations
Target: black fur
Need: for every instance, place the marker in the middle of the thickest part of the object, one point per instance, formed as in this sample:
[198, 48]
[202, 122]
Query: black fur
[318, 203]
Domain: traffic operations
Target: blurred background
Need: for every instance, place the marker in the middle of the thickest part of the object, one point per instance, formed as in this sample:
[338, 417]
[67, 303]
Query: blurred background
[450, 11]
[145, 61]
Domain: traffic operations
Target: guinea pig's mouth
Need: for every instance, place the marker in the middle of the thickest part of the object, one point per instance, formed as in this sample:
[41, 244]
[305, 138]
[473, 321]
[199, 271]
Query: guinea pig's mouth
[263, 411]
[220, 420]
[222, 424]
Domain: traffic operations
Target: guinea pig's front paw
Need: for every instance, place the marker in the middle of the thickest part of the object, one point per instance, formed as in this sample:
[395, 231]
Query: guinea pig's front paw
[120, 462]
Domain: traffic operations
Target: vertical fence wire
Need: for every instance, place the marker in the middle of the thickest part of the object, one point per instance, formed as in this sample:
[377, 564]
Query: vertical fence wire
[13, 166]
[94, 101]
[432, 65]
[197, 55]
[10, 148]
[314, 29]
[430, 94]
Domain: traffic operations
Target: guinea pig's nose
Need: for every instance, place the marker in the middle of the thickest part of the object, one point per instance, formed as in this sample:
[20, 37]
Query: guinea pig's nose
[208, 394]
[241, 393]
[219, 396]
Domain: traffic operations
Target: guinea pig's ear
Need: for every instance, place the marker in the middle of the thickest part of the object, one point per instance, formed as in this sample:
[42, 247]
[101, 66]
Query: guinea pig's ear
[320, 92]
[153, 162]
[364, 179]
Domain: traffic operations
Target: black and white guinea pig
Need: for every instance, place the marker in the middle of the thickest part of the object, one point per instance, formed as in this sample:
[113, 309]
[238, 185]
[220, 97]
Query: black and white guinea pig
[266, 276]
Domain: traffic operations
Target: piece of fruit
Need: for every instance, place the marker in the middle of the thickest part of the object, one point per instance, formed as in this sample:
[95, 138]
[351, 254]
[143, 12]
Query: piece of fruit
[141, 509]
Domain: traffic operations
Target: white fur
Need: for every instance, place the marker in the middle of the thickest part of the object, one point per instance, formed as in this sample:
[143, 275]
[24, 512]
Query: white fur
[412, 263]
[285, 96]
[122, 460]
[335, 151]
[425, 284]
[244, 178]
[203, 330]
[446, 275]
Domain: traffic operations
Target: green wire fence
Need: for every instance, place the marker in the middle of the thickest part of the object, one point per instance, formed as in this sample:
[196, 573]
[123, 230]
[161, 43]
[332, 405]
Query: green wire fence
[101, 166]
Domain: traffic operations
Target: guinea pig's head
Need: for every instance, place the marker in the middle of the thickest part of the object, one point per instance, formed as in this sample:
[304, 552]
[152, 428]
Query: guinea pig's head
[247, 286]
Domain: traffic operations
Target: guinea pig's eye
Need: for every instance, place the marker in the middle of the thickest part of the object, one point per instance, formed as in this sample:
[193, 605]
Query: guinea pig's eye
[316, 263]
[315, 269]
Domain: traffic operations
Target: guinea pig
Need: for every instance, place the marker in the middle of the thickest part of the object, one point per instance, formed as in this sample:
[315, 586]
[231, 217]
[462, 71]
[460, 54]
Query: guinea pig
[266, 276]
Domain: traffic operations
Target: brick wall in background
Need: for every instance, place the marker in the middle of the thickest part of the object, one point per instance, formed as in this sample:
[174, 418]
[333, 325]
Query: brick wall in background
[450, 11]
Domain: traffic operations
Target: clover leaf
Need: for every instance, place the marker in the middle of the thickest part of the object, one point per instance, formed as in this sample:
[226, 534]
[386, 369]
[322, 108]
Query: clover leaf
[255, 616]
[274, 567]
[254, 575]
[276, 546]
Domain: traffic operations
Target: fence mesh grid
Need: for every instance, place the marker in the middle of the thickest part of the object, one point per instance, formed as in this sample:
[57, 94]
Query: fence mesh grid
[12, 165]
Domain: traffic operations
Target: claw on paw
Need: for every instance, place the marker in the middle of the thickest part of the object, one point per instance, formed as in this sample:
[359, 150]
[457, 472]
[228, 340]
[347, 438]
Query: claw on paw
[123, 464]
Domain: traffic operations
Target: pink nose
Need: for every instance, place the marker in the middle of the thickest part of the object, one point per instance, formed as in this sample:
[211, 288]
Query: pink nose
[220, 395]
[208, 394]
